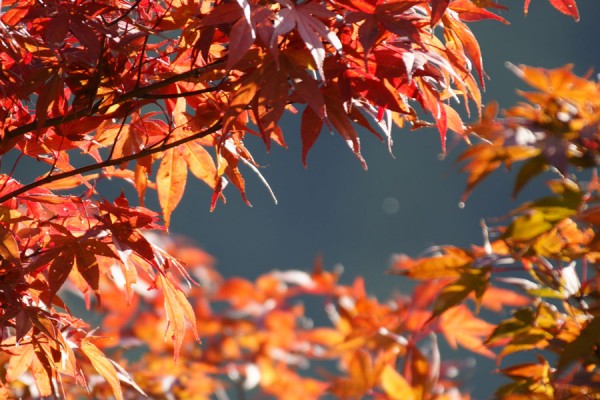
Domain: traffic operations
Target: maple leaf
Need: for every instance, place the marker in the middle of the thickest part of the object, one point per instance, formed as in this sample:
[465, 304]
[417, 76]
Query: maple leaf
[179, 311]
[82, 78]
[171, 179]
[103, 365]
[568, 7]
[438, 8]
[394, 385]
[469, 11]
[449, 264]
[310, 130]
[305, 19]
[9, 249]
[460, 326]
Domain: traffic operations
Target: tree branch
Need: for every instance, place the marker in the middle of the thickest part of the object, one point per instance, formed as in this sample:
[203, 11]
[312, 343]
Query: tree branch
[135, 93]
[110, 162]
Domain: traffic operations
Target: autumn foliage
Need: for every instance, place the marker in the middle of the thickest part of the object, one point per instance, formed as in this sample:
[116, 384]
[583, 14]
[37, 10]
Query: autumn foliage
[150, 91]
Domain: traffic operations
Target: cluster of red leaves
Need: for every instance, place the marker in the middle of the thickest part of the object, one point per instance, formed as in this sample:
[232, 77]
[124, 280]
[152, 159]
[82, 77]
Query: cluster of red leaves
[49, 242]
[166, 82]
[176, 87]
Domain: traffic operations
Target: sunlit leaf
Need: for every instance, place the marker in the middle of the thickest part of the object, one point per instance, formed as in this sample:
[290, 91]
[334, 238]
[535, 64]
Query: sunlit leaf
[103, 365]
[9, 250]
[568, 7]
[460, 326]
[179, 313]
[171, 179]
[394, 385]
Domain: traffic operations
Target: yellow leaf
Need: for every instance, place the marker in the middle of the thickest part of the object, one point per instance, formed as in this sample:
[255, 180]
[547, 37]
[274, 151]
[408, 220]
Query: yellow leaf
[532, 338]
[9, 250]
[448, 265]
[200, 162]
[178, 311]
[528, 226]
[103, 365]
[20, 359]
[394, 385]
[171, 178]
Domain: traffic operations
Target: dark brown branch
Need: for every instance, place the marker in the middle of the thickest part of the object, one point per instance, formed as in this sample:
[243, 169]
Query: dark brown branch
[136, 93]
[110, 162]
[192, 73]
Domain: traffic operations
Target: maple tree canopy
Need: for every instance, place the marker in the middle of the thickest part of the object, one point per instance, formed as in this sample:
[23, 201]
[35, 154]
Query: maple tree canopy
[149, 91]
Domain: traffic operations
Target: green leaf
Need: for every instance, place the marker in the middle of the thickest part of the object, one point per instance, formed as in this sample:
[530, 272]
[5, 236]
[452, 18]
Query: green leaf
[522, 319]
[474, 280]
[528, 226]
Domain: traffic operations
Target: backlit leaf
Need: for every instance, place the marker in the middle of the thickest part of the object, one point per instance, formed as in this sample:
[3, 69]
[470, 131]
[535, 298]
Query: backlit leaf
[242, 36]
[200, 162]
[438, 8]
[171, 179]
[103, 365]
[311, 29]
[19, 362]
[568, 7]
[59, 269]
[179, 313]
[9, 250]
[450, 264]
[394, 385]
[460, 326]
